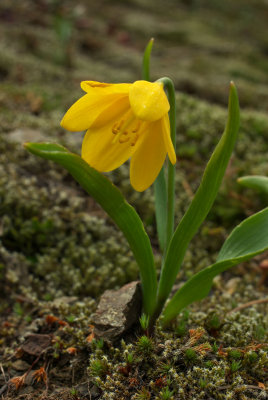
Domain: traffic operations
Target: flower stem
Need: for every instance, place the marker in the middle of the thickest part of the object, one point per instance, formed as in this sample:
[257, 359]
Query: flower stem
[160, 187]
[168, 84]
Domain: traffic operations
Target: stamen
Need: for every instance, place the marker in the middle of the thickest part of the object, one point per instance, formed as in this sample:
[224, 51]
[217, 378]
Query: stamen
[137, 127]
[123, 139]
[117, 126]
[134, 140]
[122, 134]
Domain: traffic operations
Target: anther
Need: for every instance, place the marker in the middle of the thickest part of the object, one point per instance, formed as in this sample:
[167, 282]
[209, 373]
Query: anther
[137, 127]
[123, 139]
[117, 127]
[134, 141]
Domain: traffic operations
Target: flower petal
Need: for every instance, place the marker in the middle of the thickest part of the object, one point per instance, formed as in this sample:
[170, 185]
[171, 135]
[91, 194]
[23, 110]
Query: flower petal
[105, 88]
[148, 158]
[102, 151]
[168, 142]
[112, 112]
[148, 100]
[84, 111]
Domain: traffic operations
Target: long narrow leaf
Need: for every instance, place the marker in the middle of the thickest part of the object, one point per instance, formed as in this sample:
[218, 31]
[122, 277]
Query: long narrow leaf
[201, 202]
[146, 60]
[113, 202]
[247, 240]
[255, 182]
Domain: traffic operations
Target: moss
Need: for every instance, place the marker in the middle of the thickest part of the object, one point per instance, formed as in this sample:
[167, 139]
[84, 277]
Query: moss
[64, 250]
[55, 212]
[199, 362]
[208, 374]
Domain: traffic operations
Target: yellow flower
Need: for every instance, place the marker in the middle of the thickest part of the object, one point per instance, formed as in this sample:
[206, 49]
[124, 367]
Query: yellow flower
[124, 121]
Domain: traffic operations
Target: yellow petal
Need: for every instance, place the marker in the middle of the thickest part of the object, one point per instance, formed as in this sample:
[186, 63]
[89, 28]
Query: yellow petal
[168, 142]
[113, 112]
[148, 158]
[105, 88]
[148, 100]
[102, 152]
[85, 111]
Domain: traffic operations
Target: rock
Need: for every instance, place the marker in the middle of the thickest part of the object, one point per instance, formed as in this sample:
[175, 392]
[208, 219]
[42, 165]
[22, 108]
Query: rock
[231, 285]
[117, 311]
[88, 390]
[264, 264]
[26, 135]
[35, 344]
[20, 365]
[95, 392]
[29, 378]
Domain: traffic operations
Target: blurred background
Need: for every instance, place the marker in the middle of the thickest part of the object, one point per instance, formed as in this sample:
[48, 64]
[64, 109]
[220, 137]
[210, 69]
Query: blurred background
[48, 46]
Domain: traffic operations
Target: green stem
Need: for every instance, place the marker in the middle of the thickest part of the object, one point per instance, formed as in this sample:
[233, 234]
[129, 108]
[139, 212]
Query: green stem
[160, 190]
[160, 194]
[168, 84]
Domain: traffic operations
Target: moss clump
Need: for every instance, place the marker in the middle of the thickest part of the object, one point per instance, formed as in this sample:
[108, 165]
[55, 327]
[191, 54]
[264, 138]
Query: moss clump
[46, 229]
[201, 363]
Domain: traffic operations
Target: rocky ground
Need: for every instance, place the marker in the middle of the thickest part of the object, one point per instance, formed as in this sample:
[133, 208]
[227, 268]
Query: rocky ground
[59, 251]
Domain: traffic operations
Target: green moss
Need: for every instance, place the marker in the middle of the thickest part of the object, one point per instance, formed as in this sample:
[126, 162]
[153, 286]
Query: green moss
[144, 345]
[65, 250]
[174, 368]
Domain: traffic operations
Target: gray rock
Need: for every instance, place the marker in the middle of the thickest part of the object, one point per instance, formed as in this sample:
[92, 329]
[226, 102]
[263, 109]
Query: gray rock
[20, 365]
[118, 311]
[88, 390]
[36, 343]
[22, 135]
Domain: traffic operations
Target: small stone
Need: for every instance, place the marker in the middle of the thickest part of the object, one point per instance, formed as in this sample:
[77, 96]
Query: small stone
[20, 365]
[22, 135]
[35, 344]
[88, 390]
[29, 378]
[264, 264]
[117, 311]
[231, 285]
[94, 392]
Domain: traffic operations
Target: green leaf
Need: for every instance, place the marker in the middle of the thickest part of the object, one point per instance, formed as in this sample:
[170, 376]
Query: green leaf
[255, 182]
[246, 241]
[201, 202]
[146, 60]
[113, 202]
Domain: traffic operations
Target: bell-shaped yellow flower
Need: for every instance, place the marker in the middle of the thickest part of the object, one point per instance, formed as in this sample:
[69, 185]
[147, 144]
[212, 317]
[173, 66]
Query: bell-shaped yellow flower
[124, 121]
